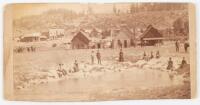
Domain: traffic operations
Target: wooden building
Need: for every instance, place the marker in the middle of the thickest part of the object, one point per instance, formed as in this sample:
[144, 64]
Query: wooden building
[122, 38]
[55, 33]
[151, 36]
[96, 33]
[33, 37]
[80, 41]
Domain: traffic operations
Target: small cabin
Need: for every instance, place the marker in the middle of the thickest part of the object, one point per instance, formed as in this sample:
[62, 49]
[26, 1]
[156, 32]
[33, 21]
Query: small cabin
[151, 36]
[80, 41]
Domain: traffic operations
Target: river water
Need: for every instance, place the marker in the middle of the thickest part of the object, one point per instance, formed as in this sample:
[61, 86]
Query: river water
[108, 82]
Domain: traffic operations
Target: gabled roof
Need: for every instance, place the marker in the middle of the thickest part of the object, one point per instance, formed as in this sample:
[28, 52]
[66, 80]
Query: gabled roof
[122, 33]
[86, 34]
[82, 36]
[151, 32]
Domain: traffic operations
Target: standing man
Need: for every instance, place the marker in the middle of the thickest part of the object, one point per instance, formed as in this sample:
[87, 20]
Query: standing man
[121, 56]
[186, 45]
[177, 46]
[144, 56]
[32, 49]
[157, 54]
[98, 57]
[76, 68]
[170, 64]
[151, 57]
[183, 63]
[28, 49]
[92, 57]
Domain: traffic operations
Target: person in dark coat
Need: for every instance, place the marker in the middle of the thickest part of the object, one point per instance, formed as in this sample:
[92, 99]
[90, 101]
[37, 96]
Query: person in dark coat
[151, 57]
[144, 55]
[157, 54]
[61, 72]
[186, 45]
[170, 64]
[177, 46]
[28, 49]
[183, 63]
[121, 56]
[98, 57]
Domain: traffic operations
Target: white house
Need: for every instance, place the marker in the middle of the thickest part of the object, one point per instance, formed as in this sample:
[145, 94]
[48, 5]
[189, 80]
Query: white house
[56, 33]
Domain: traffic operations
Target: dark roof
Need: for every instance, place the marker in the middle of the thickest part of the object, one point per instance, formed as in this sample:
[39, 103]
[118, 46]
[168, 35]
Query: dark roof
[151, 32]
[81, 35]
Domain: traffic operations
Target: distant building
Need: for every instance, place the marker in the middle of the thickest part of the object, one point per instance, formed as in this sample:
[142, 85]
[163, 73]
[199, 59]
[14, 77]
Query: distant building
[46, 33]
[80, 41]
[151, 36]
[96, 33]
[107, 42]
[33, 37]
[95, 43]
[106, 33]
[56, 33]
[43, 38]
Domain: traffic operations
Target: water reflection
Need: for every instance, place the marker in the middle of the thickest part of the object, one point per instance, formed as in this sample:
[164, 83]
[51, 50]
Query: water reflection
[125, 80]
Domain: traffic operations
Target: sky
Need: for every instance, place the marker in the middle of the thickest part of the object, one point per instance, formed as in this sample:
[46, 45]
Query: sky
[21, 10]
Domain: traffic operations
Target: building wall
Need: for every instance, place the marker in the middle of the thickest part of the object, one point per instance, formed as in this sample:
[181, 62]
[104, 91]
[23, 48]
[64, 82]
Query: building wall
[53, 33]
[124, 44]
[30, 39]
[79, 44]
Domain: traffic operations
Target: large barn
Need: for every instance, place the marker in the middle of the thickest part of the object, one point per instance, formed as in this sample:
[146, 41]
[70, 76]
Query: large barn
[80, 41]
[151, 36]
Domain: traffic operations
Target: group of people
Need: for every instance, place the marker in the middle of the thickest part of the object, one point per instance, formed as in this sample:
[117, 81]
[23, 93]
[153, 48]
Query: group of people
[31, 49]
[170, 65]
[28, 49]
[98, 56]
[147, 58]
[19, 50]
[61, 72]
[76, 65]
[177, 44]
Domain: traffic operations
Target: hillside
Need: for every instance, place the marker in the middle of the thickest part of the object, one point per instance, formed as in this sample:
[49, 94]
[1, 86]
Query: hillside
[68, 20]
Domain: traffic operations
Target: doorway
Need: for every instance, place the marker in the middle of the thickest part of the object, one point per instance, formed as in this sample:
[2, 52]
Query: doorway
[125, 44]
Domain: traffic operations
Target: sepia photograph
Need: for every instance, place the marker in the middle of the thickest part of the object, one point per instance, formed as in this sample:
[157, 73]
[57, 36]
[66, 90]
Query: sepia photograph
[99, 51]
